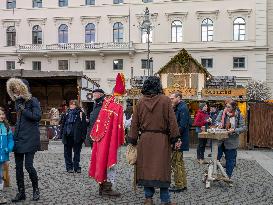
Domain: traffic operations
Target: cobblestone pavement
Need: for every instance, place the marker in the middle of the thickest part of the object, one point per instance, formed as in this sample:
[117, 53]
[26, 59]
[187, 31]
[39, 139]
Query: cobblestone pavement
[253, 184]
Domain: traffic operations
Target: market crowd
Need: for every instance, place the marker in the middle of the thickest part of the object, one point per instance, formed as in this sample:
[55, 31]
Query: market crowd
[157, 130]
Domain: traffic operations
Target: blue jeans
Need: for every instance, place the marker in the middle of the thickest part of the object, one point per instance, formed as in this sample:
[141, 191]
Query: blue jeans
[230, 155]
[221, 149]
[164, 194]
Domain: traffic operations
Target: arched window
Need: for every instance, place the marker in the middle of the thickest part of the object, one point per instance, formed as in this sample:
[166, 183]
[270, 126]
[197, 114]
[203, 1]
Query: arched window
[176, 31]
[90, 33]
[63, 33]
[11, 36]
[118, 32]
[239, 29]
[37, 37]
[207, 30]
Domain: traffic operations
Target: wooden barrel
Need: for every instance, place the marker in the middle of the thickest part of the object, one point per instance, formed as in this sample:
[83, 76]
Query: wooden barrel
[43, 138]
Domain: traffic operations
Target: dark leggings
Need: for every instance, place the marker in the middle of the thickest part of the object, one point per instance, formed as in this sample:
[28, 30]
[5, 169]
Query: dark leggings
[201, 148]
[19, 161]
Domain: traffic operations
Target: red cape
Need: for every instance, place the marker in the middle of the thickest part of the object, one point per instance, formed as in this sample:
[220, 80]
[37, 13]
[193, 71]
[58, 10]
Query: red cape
[108, 136]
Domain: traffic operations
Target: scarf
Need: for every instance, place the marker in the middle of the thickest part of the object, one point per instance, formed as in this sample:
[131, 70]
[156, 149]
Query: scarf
[70, 120]
[227, 125]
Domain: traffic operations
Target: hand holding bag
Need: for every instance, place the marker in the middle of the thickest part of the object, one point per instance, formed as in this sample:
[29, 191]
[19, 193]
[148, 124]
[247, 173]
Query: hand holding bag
[131, 154]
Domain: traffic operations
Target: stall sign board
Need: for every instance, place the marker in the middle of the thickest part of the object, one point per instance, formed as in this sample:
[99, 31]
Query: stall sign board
[138, 81]
[134, 92]
[231, 92]
[221, 82]
[183, 90]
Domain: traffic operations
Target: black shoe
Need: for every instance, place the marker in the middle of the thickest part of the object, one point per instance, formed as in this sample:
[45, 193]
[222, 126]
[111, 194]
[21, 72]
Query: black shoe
[19, 197]
[36, 194]
[70, 171]
[177, 190]
[78, 171]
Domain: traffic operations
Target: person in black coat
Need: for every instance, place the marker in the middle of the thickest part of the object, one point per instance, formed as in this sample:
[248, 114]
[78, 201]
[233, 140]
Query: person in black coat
[183, 120]
[73, 132]
[98, 96]
[26, 136]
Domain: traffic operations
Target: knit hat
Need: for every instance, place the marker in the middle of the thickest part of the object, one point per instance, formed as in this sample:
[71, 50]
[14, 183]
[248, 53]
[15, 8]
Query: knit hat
[202, 105]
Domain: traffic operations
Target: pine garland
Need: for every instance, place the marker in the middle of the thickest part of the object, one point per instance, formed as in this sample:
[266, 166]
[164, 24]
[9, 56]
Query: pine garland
[258, 91]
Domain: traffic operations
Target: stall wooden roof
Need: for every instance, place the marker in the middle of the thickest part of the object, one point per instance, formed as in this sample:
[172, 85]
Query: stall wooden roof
[183, 62]
[50, 75]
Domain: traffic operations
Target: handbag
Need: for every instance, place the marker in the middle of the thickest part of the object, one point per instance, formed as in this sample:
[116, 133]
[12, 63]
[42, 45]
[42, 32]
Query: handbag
[131, 154]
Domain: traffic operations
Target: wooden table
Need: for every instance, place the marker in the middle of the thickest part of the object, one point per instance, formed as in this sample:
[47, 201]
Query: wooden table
[212, 173]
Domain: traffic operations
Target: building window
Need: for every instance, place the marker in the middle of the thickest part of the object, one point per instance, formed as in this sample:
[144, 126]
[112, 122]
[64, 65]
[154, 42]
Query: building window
[10, 65]
[207, 62]
[36, 65]
[89, 2]
[147, 1]
[176, 31]
[37, 35]
[144, 64]
[63, 33]
[11, 4]
[89, 65]
[118, 1]
[118, 64]
[63, 3]
[90, 33]
[239, 29]
[207, 30]
[63, 64]
[37, 3]
[11, 36]
[144, 36]
[239, 62]
[118, 32]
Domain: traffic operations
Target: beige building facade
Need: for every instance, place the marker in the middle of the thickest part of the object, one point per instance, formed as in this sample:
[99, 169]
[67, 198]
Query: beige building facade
[229, 37]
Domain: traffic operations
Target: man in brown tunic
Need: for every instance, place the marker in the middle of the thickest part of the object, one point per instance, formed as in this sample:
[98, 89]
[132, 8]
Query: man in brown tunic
[155, 120]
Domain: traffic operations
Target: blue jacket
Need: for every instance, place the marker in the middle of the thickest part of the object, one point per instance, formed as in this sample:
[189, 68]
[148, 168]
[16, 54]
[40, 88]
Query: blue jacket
[183, 120]
[6, 143]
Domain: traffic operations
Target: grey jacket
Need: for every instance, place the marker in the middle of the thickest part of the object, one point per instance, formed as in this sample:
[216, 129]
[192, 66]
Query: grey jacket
[233, 141]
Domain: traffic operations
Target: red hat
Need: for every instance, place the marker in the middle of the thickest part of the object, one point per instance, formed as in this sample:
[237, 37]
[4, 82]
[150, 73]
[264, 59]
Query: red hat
[120, 85]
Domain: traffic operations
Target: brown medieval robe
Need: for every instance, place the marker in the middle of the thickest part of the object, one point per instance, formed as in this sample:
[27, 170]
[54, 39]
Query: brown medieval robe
[155, 119]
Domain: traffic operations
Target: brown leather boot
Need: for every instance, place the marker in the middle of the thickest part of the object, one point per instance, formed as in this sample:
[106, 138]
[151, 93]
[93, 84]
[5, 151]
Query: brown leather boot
[148, 201]
[106, 190]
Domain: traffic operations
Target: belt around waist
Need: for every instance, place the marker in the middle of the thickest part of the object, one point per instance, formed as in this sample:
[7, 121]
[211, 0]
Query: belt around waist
[155, 131]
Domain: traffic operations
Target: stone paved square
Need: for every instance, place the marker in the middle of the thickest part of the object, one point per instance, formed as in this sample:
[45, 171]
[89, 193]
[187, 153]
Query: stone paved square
[253, 184]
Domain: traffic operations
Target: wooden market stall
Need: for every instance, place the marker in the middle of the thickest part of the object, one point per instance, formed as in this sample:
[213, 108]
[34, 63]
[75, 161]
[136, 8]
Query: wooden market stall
[52, 89]
[183, 73]
[260, 125]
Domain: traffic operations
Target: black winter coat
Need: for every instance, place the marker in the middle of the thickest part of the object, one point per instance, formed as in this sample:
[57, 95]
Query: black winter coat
[27, 133]
[95, 113]
[79, 127]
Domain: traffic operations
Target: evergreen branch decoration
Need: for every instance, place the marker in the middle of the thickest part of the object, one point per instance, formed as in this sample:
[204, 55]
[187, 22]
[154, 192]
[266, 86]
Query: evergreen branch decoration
[258, 91]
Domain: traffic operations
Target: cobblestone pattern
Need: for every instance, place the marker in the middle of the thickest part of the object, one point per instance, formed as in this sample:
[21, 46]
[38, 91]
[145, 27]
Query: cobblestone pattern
[253, 185]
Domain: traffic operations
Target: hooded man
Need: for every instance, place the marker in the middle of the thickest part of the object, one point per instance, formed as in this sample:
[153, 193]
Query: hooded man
[26, 136]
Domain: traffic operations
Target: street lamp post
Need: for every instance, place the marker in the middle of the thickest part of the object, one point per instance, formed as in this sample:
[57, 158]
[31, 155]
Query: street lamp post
[147, 27]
